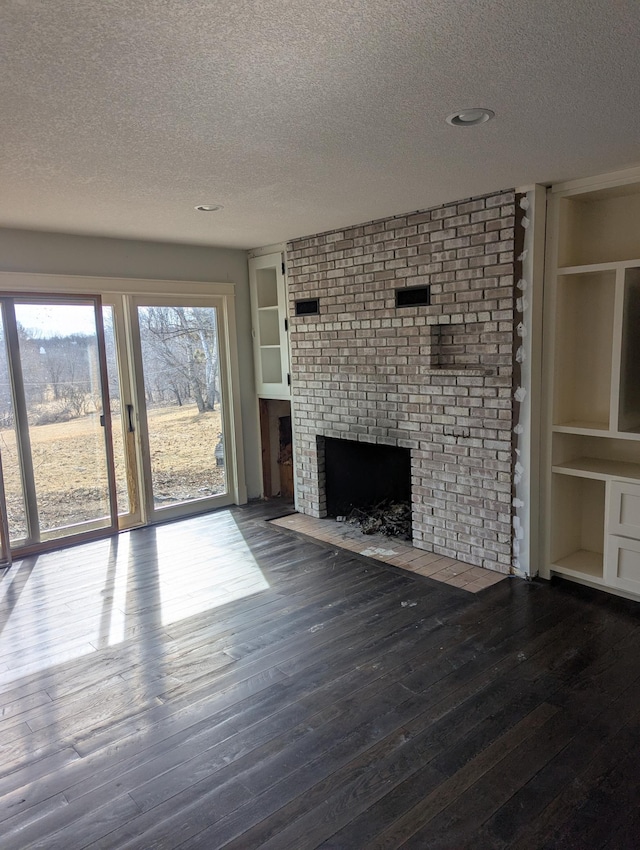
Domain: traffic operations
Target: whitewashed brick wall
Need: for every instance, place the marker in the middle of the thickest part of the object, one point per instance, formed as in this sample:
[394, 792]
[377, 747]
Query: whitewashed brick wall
[435, 379]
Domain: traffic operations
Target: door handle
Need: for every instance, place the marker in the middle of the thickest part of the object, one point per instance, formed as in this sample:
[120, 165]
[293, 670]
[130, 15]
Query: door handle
[130, 427]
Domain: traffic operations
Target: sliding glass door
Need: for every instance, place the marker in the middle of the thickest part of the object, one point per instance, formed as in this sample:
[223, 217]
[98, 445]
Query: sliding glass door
[112, 415]
[55, 427]
[181, 405]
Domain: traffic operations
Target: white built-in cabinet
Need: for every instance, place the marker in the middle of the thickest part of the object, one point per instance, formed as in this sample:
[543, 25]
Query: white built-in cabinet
[592, 382]
[269, 326]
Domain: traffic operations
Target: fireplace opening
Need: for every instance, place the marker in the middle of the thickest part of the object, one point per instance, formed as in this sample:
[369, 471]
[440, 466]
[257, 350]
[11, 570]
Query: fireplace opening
[370, 484]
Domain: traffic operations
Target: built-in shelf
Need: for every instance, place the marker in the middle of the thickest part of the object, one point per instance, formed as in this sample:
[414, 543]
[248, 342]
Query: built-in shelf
[632, 436]
[577, 508]
[594, 267]
[591, 431]
[593, 376]
[600, 226]
[581, 427]
[585, 306]
[582, 563]
[591, 467]
[269, 326]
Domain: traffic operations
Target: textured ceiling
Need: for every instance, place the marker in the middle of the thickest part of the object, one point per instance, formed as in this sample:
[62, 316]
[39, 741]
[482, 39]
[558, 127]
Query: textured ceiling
[119, 117]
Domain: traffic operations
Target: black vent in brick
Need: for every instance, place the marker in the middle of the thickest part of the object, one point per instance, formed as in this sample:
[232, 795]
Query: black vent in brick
[307, 307]
[413, 296]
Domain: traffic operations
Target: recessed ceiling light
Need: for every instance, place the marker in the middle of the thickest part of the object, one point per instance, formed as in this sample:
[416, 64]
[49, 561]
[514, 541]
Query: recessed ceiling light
[209, 207]
[470, 117]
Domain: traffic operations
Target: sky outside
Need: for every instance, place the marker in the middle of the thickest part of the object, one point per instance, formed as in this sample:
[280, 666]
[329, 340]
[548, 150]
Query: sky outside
[49, 320]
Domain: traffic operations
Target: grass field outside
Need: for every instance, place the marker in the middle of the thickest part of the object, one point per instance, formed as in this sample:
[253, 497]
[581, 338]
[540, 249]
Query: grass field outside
[70, 465]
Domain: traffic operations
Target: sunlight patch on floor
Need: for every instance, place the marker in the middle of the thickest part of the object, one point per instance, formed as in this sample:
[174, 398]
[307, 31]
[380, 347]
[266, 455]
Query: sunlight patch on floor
[59, 607]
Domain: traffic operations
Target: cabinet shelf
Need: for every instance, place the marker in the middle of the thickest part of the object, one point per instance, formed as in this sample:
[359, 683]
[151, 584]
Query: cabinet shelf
[589, 268]
[599, 468]
[581, 427]
[583, 563]
[597, 267]
[589, 430]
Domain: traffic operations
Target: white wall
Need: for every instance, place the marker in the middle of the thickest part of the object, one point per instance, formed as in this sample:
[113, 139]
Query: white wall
[58, 253]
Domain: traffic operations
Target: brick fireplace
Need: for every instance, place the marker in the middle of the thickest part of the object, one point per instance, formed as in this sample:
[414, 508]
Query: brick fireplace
[435, 378]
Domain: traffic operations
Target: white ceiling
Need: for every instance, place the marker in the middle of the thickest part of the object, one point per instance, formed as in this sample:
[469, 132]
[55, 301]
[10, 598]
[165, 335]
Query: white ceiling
[118, 117]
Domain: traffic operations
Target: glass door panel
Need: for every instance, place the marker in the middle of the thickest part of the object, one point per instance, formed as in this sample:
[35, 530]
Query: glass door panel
[183, 401]
[269, 326]
[9, 453]
[64, 431]
[120, 426]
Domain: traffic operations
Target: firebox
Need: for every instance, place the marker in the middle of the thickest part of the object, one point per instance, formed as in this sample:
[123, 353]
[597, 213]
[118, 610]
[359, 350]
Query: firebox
[361, 475]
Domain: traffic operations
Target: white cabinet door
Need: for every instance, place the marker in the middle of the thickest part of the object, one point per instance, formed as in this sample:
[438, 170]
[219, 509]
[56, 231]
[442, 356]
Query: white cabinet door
[624, 509]
[622, 563]
[269, 326]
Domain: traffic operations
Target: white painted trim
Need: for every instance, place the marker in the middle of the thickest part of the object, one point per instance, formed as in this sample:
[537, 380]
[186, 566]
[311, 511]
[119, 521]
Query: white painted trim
[126, 377]
[601, 181]
[530, 187]
[279, 248]
[232, 380]
[529, 443]
[548, 356]
[28, 282]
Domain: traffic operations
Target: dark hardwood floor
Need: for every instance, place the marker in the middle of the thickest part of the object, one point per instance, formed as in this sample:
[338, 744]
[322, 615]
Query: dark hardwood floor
[217, 682]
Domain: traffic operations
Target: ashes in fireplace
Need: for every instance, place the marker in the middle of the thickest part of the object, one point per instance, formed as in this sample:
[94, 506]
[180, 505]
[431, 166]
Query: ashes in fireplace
[393, 519]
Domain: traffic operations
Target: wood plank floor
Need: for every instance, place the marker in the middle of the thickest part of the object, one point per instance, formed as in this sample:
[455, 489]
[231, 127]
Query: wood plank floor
[217, 682]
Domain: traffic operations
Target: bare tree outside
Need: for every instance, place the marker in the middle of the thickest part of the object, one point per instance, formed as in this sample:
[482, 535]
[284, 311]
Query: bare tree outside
[180, 345]
[182, 370]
